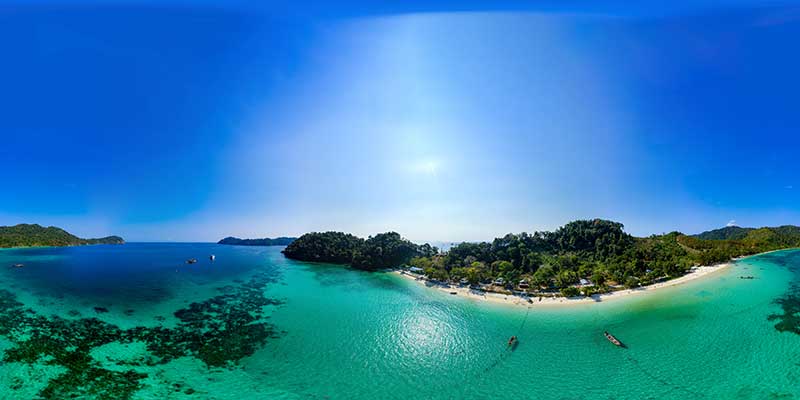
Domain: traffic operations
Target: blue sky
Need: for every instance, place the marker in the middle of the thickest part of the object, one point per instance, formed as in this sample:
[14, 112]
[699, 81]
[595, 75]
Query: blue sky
[442, 121]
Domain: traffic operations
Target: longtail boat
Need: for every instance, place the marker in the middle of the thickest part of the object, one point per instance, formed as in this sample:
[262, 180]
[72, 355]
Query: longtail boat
[512, 340]
[612, 339]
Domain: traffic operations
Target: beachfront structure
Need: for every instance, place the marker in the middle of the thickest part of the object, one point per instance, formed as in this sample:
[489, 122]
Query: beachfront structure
[523, 284]
[416, 270]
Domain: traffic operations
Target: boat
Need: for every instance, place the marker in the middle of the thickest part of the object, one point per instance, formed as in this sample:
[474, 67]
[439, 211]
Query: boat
[18, 265]
[212, 257]
[612, 339]
[512, 340]
[453, 292]
[191, 261]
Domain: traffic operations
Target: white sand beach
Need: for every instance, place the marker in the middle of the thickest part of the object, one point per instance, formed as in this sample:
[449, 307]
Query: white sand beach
[537, 301]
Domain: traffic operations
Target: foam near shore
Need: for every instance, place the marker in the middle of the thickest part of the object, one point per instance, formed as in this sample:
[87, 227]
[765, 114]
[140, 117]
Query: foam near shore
[537, 301]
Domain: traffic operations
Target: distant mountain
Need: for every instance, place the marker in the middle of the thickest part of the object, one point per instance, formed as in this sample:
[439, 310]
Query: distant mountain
[726, 233]
[280, 241]
[785, 233]
[33, 235]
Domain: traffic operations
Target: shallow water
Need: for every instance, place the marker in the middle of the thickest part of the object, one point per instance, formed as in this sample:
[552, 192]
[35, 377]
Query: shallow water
[255, 325]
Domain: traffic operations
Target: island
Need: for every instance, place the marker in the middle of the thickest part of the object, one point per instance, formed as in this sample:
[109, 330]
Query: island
[581, 258]
[33, 235]
[279, 241]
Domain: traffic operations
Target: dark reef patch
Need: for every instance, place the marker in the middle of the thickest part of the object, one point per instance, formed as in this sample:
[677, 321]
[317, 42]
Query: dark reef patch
[219, 331]
[789, 318]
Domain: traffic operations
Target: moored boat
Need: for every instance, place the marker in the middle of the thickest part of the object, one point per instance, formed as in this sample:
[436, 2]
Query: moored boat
[613, 339]
[191, 261]
[18, 265]
[212, 257]
[512, 340]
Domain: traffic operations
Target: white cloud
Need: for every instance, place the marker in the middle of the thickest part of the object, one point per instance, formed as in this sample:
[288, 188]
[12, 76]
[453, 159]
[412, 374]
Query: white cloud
[731, 223]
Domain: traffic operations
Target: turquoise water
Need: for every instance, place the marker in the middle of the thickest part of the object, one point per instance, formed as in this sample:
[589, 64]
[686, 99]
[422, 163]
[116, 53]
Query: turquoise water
[255, 325]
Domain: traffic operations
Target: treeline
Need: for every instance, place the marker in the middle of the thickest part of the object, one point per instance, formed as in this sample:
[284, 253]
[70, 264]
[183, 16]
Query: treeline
[597, 251]
[32, 235]
[726, 243]
[280, 241]
[384, 250]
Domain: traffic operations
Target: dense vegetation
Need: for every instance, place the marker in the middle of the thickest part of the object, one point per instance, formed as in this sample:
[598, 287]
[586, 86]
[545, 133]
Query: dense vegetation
[726, 233]
[385, 250]
[27, 235]
[597, 251]
[280, 241]
[331, 247]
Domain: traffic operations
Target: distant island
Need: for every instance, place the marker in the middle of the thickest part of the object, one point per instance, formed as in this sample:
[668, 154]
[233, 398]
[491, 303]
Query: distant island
[583, 257]
[33, 235]
[280, 241]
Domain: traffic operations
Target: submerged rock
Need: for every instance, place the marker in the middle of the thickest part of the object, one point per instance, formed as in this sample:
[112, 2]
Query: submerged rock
[219, 331]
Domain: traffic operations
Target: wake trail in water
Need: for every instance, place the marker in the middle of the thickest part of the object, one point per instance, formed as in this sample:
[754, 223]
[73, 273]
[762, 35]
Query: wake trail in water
[510, 349]
[644, 371]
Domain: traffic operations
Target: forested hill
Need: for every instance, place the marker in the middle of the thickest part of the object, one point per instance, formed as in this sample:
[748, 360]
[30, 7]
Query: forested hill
[738, 233]
[384, 250]
[32, 235]
[726, 233]
[280, 241]
[596, 250]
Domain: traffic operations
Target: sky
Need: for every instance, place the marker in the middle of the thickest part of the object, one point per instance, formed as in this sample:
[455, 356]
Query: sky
[448, 121]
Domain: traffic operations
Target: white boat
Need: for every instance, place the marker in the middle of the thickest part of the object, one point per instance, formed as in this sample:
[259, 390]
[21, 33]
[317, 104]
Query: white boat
[212, 257]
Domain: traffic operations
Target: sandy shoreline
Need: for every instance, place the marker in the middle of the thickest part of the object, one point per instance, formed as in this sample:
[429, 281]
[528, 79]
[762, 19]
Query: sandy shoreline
[697, 273]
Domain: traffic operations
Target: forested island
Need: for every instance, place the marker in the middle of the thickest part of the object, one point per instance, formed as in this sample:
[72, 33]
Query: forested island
[597, 252]
[280, 241]
[33, 235]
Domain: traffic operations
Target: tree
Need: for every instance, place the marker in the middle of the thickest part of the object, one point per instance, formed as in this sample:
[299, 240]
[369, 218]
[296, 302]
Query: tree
[631, 282]
[384, 250]
[566, 278]
[570, 291]
[543, 276]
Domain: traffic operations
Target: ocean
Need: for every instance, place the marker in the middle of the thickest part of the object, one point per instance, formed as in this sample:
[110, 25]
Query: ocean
[135, 321]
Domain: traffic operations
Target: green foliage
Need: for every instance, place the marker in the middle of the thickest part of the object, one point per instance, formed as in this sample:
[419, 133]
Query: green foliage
[726, 233]
[570, 291]
[631, 282]
[32, 235]
[384, 250]
[331, 247]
